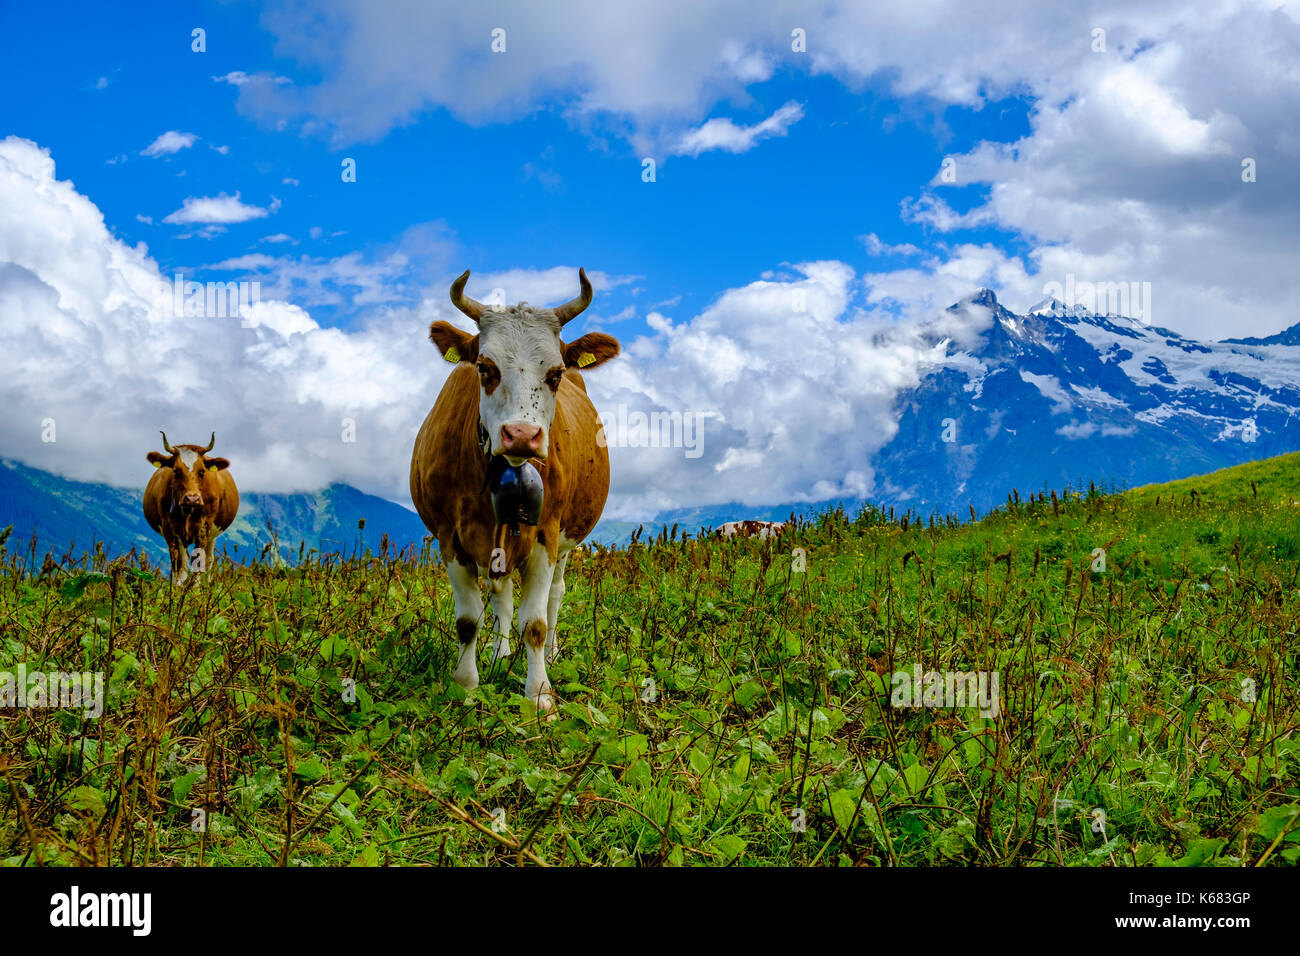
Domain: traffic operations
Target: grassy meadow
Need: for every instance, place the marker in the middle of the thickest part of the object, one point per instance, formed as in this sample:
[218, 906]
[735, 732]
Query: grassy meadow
[722, 703]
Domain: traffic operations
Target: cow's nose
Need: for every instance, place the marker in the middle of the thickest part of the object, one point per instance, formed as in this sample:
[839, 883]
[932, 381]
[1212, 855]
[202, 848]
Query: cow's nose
[521, 439]
[192, 499]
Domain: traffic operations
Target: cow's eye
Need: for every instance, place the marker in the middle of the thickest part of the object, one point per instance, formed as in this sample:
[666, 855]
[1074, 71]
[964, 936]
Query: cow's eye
[489, 375]
[554, 376]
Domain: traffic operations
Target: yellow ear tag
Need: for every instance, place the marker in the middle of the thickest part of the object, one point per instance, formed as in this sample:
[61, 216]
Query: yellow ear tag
[451, 355]
[157, 464]
[585, 359]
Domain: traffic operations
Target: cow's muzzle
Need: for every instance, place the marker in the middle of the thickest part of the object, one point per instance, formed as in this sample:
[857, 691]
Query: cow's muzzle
[520, 440]
[190, 504]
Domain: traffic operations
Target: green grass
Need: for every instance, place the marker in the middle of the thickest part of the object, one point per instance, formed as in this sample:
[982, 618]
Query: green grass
[1273, 479]
[711, 693]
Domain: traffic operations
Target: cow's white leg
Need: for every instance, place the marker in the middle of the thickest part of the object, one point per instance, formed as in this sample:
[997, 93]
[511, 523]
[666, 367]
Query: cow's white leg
[537, 575]
[469, 614]
[553, 608]
[503, 608]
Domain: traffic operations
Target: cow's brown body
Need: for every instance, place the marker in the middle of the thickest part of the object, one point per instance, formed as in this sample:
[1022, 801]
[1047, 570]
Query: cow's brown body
[448, 468]
[190, 499]
[516, 397]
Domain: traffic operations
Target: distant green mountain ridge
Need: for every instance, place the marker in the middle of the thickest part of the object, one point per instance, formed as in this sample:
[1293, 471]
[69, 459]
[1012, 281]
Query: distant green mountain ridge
[66, 515]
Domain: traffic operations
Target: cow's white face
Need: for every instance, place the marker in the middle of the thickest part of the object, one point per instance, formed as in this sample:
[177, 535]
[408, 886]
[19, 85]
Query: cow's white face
[520, 360]
[520, 364]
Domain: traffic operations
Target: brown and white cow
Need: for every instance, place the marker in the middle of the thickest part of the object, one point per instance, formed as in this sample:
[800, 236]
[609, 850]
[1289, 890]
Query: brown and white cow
[516, 393]
[190, 499]
[750, 529]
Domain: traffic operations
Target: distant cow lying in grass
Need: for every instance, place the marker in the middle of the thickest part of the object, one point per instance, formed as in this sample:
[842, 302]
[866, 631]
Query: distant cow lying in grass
[750, 529]
[189, 500]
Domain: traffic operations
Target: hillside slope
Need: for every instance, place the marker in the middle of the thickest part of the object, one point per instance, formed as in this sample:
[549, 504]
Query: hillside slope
[1275, 479]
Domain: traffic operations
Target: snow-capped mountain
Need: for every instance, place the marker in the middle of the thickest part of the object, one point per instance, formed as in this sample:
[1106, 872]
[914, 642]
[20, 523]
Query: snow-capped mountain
[1061, 396]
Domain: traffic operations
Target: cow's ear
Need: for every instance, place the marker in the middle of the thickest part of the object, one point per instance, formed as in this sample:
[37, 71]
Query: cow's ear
[453, 344]
[158, 458]
[217, 463]
[594, 348]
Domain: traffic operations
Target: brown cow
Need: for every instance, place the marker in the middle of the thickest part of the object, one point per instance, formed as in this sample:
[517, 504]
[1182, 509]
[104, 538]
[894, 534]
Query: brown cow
[189, 500]
[515, 401]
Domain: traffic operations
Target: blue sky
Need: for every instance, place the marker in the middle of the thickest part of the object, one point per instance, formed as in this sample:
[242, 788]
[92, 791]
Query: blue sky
[529, 192]
[780, 173]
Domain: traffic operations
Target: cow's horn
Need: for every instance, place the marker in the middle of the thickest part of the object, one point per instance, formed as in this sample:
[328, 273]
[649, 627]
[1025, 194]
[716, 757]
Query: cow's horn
[166, 447]
[211, 441]
[463, 302]
[573, 307]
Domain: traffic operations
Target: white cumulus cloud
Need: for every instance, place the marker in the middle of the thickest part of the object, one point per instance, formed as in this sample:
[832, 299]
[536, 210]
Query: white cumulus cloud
[221, 210]
[168, 143]
[725, 135]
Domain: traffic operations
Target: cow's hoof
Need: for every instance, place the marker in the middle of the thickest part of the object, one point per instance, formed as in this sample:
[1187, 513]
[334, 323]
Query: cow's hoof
[544, 698]
[466, 677]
